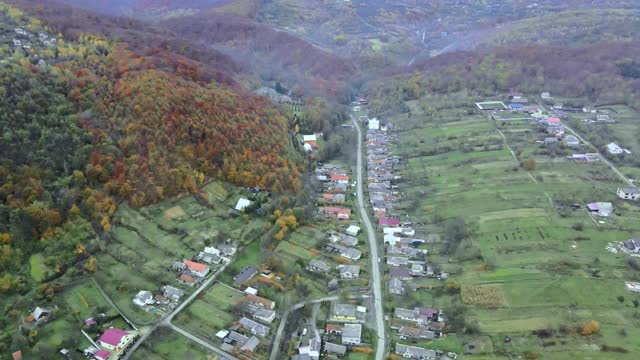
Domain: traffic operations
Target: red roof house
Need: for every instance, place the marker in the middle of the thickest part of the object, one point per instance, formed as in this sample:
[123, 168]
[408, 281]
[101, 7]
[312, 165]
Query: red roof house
[388, 222]
[115, 339]
[339, 178]
[553, 120]
[197, 269]
[102, 355]
[187, 279]
[17, 355]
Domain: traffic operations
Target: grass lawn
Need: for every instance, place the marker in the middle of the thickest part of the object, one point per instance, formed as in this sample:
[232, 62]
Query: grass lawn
[166, 344]
[38, 269]
[85, 300]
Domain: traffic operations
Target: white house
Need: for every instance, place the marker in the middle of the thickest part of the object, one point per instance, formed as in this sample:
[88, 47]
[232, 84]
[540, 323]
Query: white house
[242, 204]
[374, 124]
[351, 334]
[628, 193]
[545, 95]
[211, 250]
[143, 298]
[613, 148]
[115, 339]
[307, 147]
[353, 230]
[306, 138]
[196, 269]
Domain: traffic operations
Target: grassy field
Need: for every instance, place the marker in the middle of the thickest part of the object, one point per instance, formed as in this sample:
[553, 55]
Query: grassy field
[85, 300]
[165, 344]
[210, 312]
[530, 261]
[38, 268]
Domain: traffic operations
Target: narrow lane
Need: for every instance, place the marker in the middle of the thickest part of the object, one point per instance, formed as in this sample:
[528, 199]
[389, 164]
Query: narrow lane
[376, 277]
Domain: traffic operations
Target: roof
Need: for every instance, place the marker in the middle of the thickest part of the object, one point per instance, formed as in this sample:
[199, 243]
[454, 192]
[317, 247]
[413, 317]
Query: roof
[339, 177]
[415, 352]
[334, 327]
[306, 138]
[352, 269]
[401, 272]
[194, 266]
[113, 336]
[245, 274]
[335, 348]
[242, 203]
[352, 330]
[254, 327]
[172, 291]
[39, 312]
[259, 300]
[319, 264]
[17, 355]
[102, 354]
[251, 344]
[630, 190]
[222, 334]
[187, 278]
[388, 221]
[353, 228]
[402, 313]
[553, 120]
[395, 284]
[344, 310]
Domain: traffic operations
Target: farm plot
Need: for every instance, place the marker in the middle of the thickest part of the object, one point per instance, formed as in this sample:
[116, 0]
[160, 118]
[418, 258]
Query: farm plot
[166, 344]
[532, 260]
[211, 311]
[85, 300]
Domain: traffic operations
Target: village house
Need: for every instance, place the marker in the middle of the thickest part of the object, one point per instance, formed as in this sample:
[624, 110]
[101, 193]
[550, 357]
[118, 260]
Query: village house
[250, 345]
[419, 271]
[38, 316]
[312, 349]
[209, 258]
[254, 327]
[388, 222]
[260, 301]
[414, 352]
[348, 240]
[102, 355]
[144, 298]
[245, 274]
[334, 329]
[545, 95]
[589, 109]
[351, 253]
[374, 124]
[337, 213]
[614, 149]
[349, 271]
[337, 349]
[187, 279]
[242, 204]
[260, 313]
[229, 249]
[400, 272]
[178, 266]
[571, 140]
[395, 286]
[172, 293]
[600, 208]
[551, 141]
[348, 312]
[558, 106]
[339, 178]
[632, 245]
[628, 193]
[352, 334]
[603, 118]
[397, 261]
[408, 332]
[318, 266]
[196, 269]
[115, 339]
[353, 230]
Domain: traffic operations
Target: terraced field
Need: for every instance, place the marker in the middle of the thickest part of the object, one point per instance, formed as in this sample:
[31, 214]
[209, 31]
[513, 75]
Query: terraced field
[547, 259]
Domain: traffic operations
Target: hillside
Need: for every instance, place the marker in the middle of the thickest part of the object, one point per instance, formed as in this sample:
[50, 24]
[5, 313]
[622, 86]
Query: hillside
[89, 123]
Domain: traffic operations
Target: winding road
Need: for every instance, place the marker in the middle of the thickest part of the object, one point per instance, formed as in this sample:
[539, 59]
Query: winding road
[376, 276]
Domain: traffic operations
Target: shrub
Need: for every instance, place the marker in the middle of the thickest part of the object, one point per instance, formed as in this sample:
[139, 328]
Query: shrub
[592, 327]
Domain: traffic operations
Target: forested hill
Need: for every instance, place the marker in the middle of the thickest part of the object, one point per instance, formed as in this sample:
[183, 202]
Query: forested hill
[87, 123]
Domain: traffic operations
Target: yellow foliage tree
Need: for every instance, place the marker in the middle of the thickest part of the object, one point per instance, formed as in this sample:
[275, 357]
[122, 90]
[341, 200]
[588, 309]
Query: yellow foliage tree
[5, 238]
[80, 249]
[592, 327]
[92, 264]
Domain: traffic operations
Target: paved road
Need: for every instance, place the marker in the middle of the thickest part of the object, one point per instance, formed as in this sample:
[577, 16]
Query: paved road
[376, 276]
[166, 320]
[275, 349]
